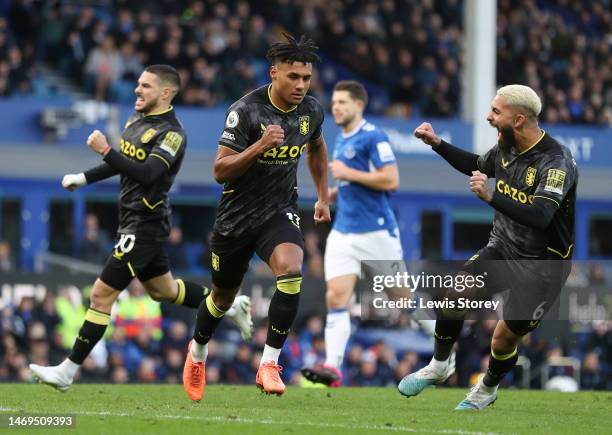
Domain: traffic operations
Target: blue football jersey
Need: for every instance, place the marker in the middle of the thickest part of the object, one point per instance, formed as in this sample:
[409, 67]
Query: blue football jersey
[361, 209]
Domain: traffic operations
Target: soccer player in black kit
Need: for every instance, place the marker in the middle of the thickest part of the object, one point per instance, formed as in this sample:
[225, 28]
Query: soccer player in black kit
[530, 246]
[265, 133]
[151, 151]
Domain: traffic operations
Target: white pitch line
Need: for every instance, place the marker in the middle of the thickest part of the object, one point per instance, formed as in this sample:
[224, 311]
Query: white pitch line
[241, 420]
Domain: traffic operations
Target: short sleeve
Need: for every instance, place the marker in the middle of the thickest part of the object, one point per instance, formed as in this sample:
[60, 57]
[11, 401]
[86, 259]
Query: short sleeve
[381, 153]
[556, 177]
[235, 134]
[486, 162]
[170, 145]
[318, 116]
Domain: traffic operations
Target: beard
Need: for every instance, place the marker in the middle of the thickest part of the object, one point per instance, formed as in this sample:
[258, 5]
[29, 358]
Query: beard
[148, 106]
[507, 140]
[346, 121]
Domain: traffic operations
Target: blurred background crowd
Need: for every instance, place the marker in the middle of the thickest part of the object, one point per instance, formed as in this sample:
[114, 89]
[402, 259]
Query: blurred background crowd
[146, 343]
[407, 51]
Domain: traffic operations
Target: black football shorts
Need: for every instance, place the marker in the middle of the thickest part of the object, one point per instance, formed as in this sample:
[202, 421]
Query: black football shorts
[230, 256]
[132, 258]
[530, 287]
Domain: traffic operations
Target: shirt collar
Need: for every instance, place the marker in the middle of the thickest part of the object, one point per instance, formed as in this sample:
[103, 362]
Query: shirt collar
[355, 130]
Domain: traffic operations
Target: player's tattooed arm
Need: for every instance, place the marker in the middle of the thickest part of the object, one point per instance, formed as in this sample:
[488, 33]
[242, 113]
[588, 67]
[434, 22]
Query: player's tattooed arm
[317, 163]
[230, 164]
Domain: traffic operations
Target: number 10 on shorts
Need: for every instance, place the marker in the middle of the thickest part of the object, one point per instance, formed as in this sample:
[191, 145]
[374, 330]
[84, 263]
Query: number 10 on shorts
[126, 243]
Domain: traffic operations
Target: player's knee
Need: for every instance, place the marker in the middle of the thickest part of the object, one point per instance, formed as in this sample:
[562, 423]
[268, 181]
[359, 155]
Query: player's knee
[504, 341]
[335, 297]
[288, 267]
[158, 296]
[502, 346]
[101, 301]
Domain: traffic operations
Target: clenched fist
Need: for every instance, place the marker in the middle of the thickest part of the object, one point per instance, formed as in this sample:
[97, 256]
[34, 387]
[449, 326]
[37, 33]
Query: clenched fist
[426, 133]
[97, 141]
[272, 136]
[321, 213]
[478, 185]
[72, 181]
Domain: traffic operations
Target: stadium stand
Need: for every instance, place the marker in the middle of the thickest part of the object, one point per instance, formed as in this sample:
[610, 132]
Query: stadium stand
[408, 52]
[563, 52]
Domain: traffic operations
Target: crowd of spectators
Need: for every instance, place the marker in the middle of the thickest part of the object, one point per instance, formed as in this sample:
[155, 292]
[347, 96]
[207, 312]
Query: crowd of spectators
[407, 50]
[411, 49]
[562, 50]
[146, 344]
[17, 55]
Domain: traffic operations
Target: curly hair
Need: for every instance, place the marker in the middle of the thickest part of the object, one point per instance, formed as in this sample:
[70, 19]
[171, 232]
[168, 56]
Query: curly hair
[304, 50]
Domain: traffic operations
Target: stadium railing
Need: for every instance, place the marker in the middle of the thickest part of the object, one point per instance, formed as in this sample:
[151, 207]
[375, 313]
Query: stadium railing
[70, 264]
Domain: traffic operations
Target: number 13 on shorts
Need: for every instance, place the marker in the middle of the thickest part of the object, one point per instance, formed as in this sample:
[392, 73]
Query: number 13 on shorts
[294, 218]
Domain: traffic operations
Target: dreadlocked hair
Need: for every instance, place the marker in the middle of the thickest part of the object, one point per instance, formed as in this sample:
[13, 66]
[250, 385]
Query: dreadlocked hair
[293, 51]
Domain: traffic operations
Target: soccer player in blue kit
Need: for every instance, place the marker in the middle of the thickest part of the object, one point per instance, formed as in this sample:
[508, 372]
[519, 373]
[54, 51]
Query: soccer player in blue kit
[365, 227]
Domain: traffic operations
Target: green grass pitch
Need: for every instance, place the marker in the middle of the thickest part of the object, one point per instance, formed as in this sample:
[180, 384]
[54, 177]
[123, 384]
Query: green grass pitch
[165, 409]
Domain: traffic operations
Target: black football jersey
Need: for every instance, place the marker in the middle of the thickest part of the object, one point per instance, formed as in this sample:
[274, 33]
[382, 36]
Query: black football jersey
[546, 170]
[269, 186]
[144, 210]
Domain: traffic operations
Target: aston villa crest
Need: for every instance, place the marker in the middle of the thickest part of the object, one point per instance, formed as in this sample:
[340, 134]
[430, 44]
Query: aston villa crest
[530, 177]
[304, 125]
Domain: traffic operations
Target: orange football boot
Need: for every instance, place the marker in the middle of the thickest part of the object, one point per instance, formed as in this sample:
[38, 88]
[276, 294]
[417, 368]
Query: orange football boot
[268, 378]
[194, 377]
